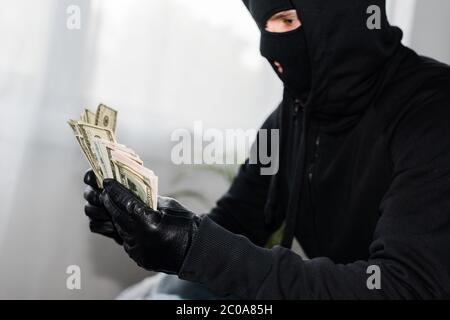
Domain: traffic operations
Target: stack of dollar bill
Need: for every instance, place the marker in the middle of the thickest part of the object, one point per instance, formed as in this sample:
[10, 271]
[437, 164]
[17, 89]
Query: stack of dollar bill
[95, 132]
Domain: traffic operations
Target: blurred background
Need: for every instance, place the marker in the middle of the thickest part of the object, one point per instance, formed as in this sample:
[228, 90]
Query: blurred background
[163, 64]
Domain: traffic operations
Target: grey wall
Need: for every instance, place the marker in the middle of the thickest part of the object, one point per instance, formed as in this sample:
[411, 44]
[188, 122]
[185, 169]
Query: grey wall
[431, 29]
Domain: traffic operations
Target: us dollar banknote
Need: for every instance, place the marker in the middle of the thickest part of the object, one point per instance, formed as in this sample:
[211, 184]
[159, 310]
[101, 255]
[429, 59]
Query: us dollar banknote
[95, 134]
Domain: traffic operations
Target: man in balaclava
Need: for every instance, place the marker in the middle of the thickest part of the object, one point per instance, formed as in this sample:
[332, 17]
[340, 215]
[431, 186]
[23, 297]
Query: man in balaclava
[363, 181]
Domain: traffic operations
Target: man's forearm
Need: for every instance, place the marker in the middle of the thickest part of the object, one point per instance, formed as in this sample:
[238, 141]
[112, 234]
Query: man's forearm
[230, 264]
[225, 262]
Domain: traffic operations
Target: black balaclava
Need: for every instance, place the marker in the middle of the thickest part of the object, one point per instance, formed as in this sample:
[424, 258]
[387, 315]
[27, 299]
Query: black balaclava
[288, 48]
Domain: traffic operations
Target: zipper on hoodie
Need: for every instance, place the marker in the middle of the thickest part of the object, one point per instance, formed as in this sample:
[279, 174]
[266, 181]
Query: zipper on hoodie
[314, 159]
[296, 108]
[312, 169]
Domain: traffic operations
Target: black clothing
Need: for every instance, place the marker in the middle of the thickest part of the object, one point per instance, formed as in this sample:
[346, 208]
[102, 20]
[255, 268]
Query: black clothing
[157, 240]
[99, 219]
[364, 175]
[287, 48]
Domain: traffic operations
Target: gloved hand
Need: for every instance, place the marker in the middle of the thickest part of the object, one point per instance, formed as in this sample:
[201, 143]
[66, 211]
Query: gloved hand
[99, 219]
[155, 240]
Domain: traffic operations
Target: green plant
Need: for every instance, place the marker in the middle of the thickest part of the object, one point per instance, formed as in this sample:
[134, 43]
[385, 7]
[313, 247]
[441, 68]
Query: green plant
[228, 173]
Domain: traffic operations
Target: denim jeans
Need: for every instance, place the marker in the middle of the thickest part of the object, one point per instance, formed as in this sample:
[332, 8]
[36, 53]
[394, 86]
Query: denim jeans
[169, 287]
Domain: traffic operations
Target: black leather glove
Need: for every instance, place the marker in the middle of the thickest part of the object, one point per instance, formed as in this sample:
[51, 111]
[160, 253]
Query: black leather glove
[155, 240]
[99, 219]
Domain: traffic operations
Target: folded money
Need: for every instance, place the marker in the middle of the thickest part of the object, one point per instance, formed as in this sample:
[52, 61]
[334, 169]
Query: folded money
[95, 133]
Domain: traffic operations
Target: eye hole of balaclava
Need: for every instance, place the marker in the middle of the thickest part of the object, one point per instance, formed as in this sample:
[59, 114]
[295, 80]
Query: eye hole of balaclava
[284, 21]
[283, 44]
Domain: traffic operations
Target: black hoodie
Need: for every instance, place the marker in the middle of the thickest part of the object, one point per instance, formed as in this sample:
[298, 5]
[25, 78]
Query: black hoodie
[363, 180]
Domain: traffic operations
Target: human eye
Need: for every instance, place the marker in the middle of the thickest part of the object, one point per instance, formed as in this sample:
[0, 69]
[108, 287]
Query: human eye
[288, 21]
[283, 22]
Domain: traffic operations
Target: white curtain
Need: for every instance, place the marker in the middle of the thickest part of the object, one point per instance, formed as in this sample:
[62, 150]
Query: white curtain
[163, 65]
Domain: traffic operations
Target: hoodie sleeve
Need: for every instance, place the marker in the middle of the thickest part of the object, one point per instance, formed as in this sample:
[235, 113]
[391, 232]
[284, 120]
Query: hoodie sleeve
[411, 243]
[241, 209]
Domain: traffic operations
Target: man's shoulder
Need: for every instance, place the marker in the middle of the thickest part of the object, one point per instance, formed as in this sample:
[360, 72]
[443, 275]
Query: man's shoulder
[273, 120]
[425, 75]
[424, 117]
[431, 99]
[436, 75]
[419, 91]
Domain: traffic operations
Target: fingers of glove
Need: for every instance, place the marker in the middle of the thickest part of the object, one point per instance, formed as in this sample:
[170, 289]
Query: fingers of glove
[169, 203]
[171, 206]
[122, 220]
[127, 210]
[123, 198]
[145, 214]
[90, 179]
[96, 213]
[127, 201]
[92, 196]
[105, 228]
